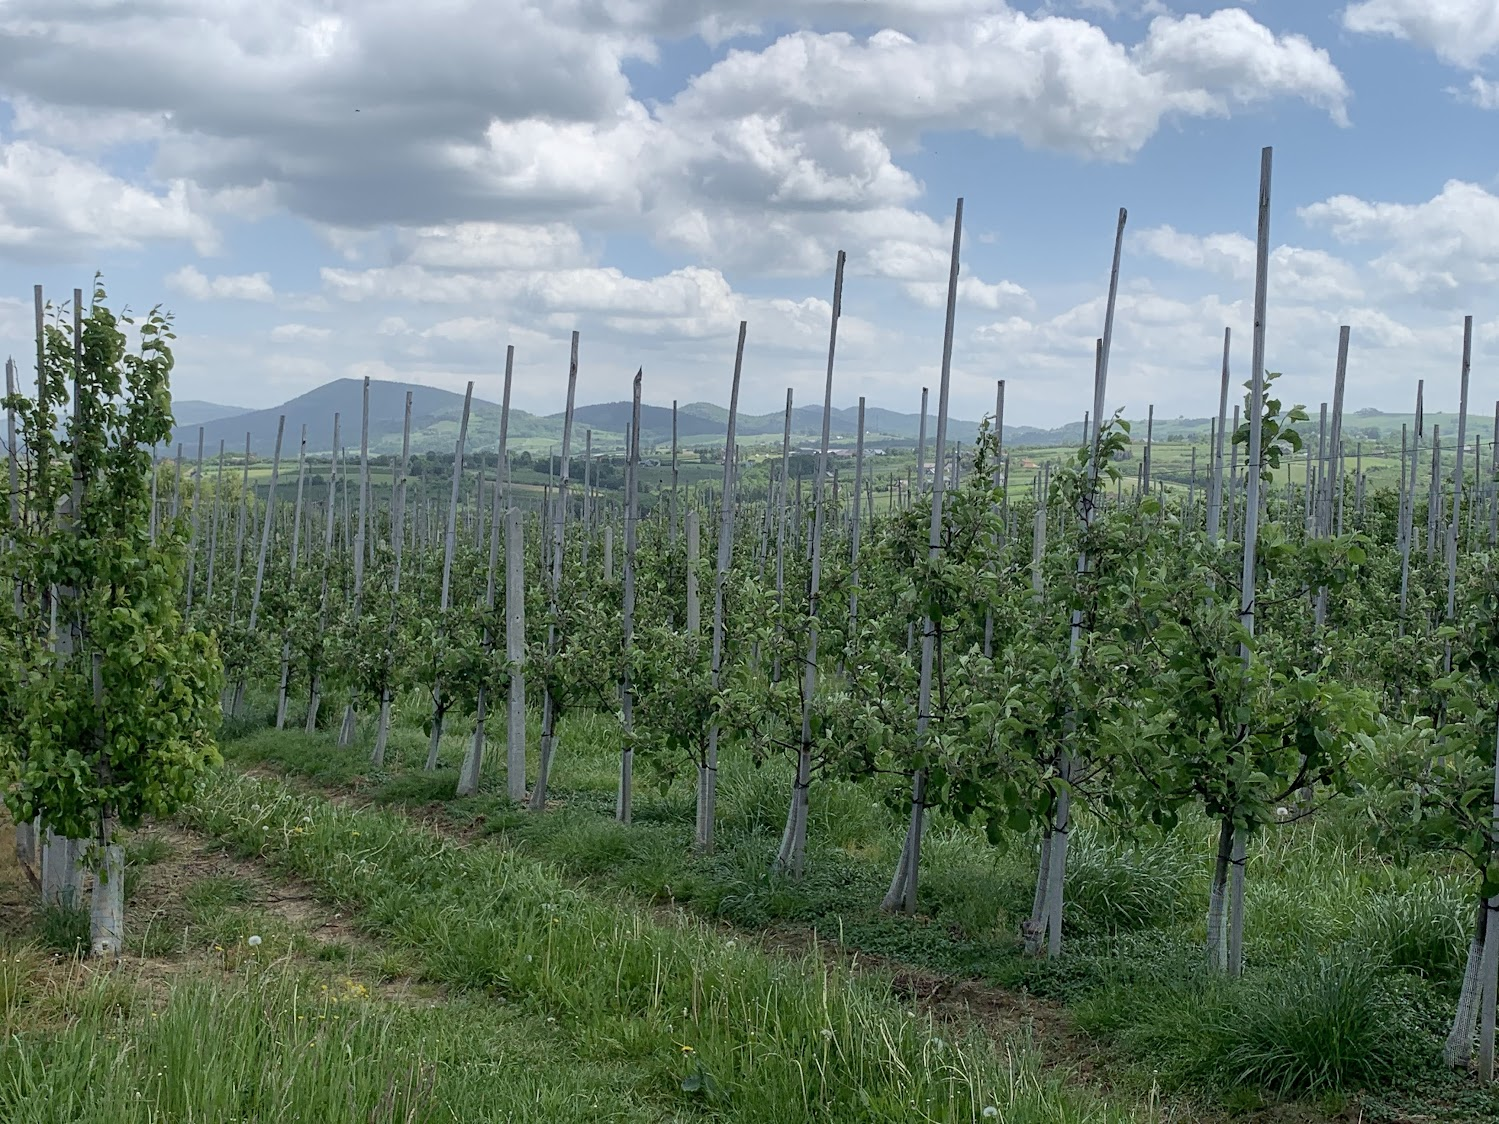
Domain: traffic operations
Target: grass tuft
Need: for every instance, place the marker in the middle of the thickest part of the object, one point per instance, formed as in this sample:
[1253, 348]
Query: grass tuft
[64, 928]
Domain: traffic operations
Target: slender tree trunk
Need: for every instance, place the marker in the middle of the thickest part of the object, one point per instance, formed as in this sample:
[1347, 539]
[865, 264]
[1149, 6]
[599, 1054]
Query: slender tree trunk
[673, 513]
[1255, 465]
[1237, 860]
[999, 443]
[1217, 945]
[694, 603]
[267, 526]
[192, 541]
[793, 859]
[315, 685]
[853, 523]
[1408, 516]
[1458, 1050]
[284, 681]
[1033, 929]
[61, 870]
[781, 517]
[1489, 986]
[558, 542]
[107, 901]
[921, 445]
[902, 892]
[1489, 968]
[515, 652]
[624, 799]
[1069, 761]
[440, 703]
[397, 543]
[707, 791]
[361, 538]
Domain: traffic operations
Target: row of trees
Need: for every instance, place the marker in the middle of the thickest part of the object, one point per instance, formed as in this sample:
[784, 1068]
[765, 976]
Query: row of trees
[1139, 656]
[107, 704]
[1242, 653]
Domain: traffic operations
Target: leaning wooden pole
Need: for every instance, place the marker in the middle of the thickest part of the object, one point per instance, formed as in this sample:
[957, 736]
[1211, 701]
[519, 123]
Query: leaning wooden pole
[902, 892]
[284, 680]
[792, 856]
[361, 538]
[397, 546]
[558, 540]
[996, 481]
[260, 559]
[624, 799]
[515, 654]
[1247, 589]
[473, 760]
[440, 702]
[1215, 472]
[1060, 828]
[707, 778]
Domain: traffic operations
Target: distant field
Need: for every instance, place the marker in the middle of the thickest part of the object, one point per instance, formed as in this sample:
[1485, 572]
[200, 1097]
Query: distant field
[1172, 463]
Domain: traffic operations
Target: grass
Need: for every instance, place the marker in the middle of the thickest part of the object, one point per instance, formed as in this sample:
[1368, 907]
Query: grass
[64, 928]
[701, 1020]
[1320, 1024]
[1317, 895]
[270, 1043]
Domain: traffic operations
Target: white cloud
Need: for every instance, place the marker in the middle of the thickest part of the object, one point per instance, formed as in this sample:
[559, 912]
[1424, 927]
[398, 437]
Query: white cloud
[1051, 82]
[1168, 349]
[1461, 32]
[520, 111]
[1003, 295]
[472, 174]
[299, 333]
[58, 207]
[1437, 250]
[496, 246]
[191, 282]
[1480, 92]
[1296, 273]
[1229, 58]
[686, 304]
[87, 130]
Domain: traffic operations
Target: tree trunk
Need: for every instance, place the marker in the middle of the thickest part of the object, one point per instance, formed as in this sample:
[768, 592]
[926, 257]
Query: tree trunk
[538, 801]
[795, 855]
[26, 843]
[624, 798]
[707, 805]
[1489, 989]
[1237, 859]
[434, 743]
[553, 563]
[61, 881]
[450, 542]
[1033, 930]
[902, 892]
[515, 652]
[1459, 1047]
[1217, 943]
[398, 546]
[107, 904]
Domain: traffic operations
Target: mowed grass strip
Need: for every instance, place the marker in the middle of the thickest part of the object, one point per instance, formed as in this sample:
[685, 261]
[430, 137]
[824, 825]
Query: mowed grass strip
[701, 1022]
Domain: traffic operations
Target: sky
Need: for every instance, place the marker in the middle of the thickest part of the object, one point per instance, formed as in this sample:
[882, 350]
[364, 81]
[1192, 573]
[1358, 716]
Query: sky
[320, 189]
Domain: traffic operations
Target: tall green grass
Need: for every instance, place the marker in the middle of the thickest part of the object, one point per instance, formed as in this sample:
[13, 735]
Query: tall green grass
[1317, 894]
[700, 1016]
[274, 1045]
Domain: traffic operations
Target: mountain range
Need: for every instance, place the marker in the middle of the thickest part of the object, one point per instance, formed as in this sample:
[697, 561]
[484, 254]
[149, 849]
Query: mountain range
[435, 417]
